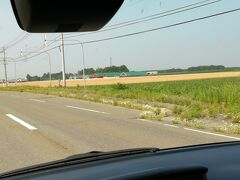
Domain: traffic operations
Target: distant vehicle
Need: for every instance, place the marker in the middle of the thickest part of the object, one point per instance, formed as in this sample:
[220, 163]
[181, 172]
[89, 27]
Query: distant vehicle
[73, 77]
[152, 73]
[21, 80]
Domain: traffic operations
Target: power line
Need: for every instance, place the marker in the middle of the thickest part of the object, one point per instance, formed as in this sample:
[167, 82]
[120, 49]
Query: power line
[18, 41]
[15, 39]
[159, 28]
[133, 23]
[12, 41]
[144, 19]
[42, 52]
[37, 50]
[161, 13]
[145, 31]
[151, 17]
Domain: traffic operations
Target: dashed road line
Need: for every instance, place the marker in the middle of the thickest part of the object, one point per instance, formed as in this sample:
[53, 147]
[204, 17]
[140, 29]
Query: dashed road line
[214, 134]
[149, 121]
[23, 123]
[158, 123]
[189, 129]
[37, 100]
[90, 110]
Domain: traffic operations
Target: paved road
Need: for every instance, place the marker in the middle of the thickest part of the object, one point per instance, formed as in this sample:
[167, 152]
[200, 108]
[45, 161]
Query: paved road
[39, 128]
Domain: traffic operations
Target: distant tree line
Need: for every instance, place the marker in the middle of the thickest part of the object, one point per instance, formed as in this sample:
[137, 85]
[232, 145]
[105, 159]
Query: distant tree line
[195, 68]
[123, 68]
[211, 67]
[88, 71]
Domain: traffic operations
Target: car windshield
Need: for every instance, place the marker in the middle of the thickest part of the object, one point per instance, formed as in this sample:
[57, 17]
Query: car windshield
[160, 74]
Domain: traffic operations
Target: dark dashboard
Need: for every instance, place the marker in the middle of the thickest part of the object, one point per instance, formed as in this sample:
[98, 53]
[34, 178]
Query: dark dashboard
[216, 161]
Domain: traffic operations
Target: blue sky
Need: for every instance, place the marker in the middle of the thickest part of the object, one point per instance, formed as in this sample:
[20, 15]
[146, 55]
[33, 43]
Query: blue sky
[212, 41]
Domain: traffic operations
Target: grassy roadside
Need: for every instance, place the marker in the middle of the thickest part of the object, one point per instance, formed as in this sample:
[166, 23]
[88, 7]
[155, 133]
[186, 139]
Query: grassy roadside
[189, 102]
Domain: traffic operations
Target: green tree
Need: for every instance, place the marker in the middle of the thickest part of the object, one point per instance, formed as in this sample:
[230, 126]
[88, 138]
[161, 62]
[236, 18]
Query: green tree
[88, 71]
[123, 68]
[28, 77]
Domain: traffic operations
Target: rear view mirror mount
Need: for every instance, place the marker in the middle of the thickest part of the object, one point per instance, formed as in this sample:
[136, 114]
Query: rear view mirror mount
[46, 16]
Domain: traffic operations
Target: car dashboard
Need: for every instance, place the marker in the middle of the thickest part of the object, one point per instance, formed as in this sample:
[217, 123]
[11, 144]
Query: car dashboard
[215, 161]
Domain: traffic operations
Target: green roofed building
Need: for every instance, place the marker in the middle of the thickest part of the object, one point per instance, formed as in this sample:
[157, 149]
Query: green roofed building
[136, 73]
[113, 74]
[117, 74]
[125, 74]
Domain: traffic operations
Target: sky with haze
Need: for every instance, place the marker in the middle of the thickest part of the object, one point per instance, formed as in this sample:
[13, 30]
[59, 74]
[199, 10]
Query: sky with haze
[214, 41]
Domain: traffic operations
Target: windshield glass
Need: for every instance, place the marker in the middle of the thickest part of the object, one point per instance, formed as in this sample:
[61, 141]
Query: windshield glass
[159, 74]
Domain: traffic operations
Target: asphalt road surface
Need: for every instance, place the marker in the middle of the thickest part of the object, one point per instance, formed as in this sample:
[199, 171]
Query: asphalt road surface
[38, 128]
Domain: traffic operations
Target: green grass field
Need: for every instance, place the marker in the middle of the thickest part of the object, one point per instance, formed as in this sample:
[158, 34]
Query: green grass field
[189, 99]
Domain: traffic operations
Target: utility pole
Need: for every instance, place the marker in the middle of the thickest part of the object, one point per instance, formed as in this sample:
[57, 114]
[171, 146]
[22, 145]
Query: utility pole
[83, 60]
[50, 69]
[110, 61]
[15, 73]
[63, 61]
[5, 65]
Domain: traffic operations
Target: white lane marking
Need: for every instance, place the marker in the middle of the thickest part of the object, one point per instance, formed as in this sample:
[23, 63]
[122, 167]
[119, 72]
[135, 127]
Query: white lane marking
[194, 130]
[84, 109]
[37, 100]
[149, 121]
[204, 132]
[21, 122]
[170, 125]
[158, 123]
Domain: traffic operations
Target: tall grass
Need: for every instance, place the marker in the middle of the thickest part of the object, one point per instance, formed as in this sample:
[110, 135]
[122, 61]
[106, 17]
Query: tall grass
[198, 97]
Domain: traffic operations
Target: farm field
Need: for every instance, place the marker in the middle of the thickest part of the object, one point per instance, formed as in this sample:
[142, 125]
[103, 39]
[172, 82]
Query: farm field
[195, 101]
[130, 80]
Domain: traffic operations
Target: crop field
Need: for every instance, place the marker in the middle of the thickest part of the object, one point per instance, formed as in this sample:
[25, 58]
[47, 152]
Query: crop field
[129, 80]
[197, 103]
